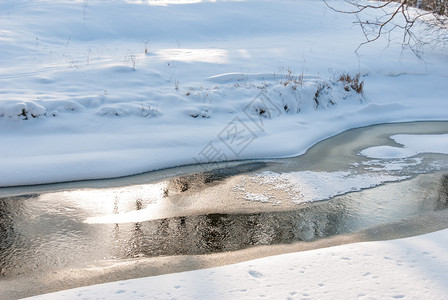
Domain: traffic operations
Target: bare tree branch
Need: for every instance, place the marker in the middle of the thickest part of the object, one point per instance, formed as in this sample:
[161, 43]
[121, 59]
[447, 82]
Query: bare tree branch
[400, 15]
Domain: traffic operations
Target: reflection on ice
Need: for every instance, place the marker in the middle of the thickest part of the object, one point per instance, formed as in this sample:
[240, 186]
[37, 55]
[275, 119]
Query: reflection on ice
[165, 2]
[214, 56]
[100, 202]
[164, 199]
[38, 236]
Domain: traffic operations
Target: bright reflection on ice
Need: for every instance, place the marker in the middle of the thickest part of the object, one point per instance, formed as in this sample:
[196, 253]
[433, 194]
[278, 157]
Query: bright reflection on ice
[114, 205]
[164, 2]
[217, 56]
[6, 36]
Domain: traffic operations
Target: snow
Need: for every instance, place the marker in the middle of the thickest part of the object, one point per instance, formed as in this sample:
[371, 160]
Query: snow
[109, 89]
[412, 145]
[406, 268]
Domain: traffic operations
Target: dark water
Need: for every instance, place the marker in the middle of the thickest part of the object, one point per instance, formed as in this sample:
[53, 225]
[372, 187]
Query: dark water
[48, 231]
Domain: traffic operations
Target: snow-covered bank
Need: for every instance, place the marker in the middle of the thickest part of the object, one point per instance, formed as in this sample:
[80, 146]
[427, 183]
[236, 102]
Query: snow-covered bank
[119, 88]
[406, 268]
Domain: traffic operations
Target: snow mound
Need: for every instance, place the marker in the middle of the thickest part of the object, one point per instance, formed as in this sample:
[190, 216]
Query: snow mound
[23, 110]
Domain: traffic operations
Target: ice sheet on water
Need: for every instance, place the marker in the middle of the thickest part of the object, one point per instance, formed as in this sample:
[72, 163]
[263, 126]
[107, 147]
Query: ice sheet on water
[310, 186]
[412, 145]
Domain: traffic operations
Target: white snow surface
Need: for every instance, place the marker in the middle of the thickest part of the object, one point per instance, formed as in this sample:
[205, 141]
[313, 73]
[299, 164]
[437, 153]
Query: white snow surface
[99, 89]
[412, 145]
[411, 268]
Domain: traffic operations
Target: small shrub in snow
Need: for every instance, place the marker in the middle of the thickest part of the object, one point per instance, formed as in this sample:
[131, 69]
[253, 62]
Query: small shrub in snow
[323, 90]
[264, 105]
[131, 60]
[148, 111]
[23, 114]
[196, 113]
[262, 112]
[147, 47]
[128, 109]
[352, 83]
[293, 80]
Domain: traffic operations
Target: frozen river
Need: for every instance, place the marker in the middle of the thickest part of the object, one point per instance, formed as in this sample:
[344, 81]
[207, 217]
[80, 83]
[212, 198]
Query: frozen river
[338, 187]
